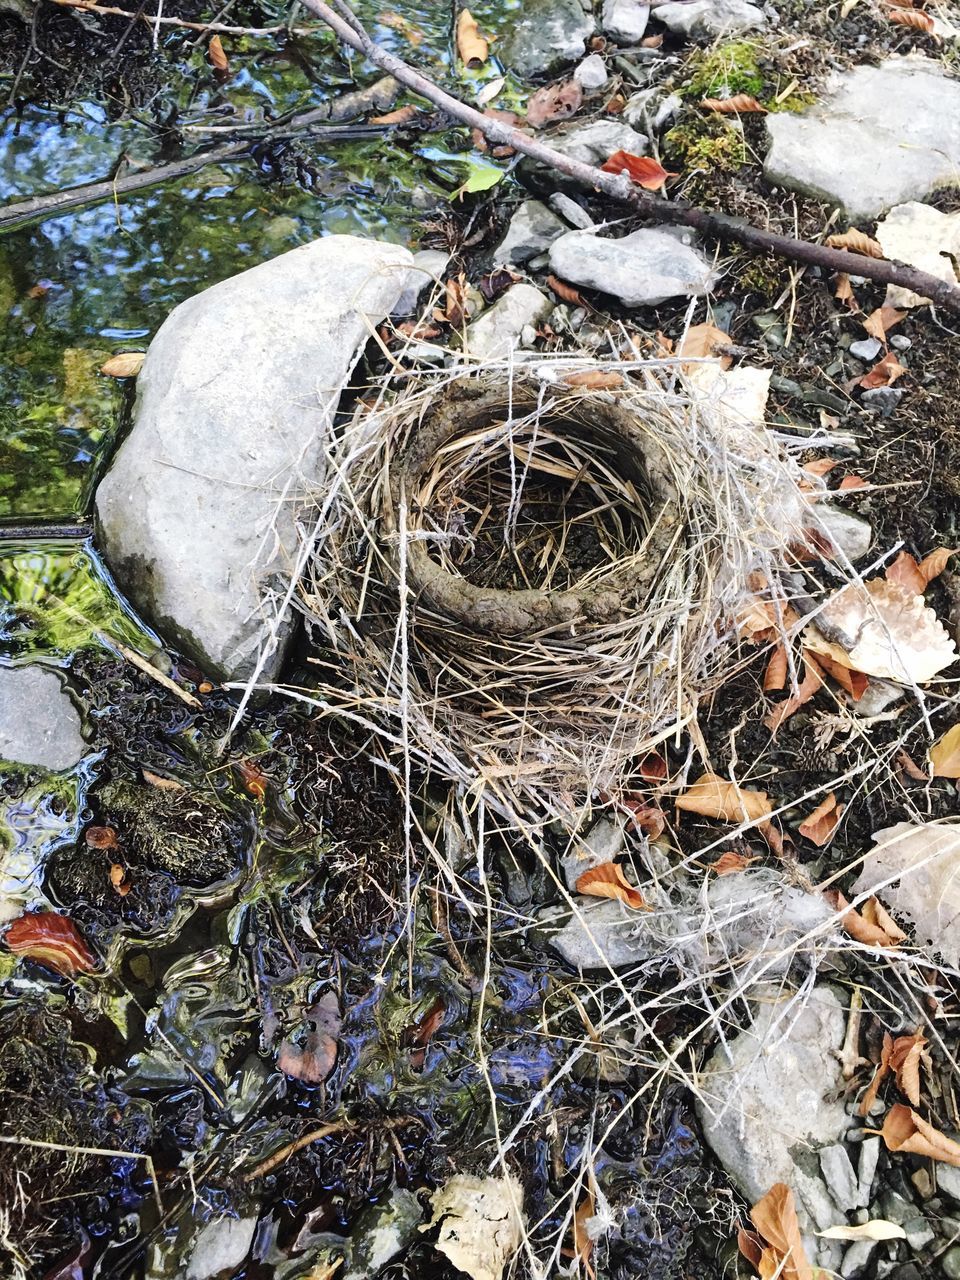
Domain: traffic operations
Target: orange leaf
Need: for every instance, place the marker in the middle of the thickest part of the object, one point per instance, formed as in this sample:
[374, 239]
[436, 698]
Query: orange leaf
[608, 881]
[253, 778]
[565, 291]
[647, 173]
[855, 682]
[851, 482]
[715, 797]
[101, 838]
[471, 46]
[875, 913]
[844, 292]
[218, 59]
[740, 104]
[582, 1244]
[775, 1217]
[808, 687]
[820, 825]
[119, 880]
[904, 1130]
[402, 115]
[883, 1068]
[595, 380]
[820, 466]
[867, 931]
[879, 323]
[905, 1060]
[554, 102]
[913, 18]
[775, 676]
[52, 940]
[906, 571]
[933, 565]
[944, 755]
[704, 341]
[730, 862]
[856, 242]
[883, 374]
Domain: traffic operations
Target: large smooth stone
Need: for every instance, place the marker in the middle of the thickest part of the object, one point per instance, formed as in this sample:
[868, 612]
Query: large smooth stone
[642, 269]
[532, 230]
[236, 401]
[39, 725]
[625, 20]
[709, 18]
[544, 35]
[879, 137]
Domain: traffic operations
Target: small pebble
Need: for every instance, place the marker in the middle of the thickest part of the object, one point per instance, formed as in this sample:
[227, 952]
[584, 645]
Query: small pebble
[900, 342]
[570, 211]
[866, 349]
[882, 400]
[591, 73]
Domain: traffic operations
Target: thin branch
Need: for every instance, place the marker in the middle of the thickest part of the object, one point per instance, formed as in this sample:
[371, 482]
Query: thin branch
[157, 19]
[619, 187]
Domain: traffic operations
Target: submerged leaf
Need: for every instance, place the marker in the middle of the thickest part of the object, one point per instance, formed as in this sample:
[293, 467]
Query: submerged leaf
[53, 941]
[554, 102]
[126, 364]
[481, 1223]
[471, 46]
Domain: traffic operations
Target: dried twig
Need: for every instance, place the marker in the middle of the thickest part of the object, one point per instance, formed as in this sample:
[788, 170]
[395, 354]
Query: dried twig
[315, 1135]
[619, 187]
[158, 19]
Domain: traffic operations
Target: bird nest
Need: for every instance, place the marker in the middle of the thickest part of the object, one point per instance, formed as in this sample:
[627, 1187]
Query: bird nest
[524, 586]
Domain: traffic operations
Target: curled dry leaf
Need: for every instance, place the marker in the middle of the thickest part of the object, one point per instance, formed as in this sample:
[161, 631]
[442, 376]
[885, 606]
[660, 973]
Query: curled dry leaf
[883, 630]
[904, 1130]
[554, 102]
[471, 46]
[608, 881]
[642, 170]
[481, 1223]
[879, 1075]
[883, 374]
[857, 242]
[843, 292]
[944, 755]
[740, 104]
[865, 926]
[875, 1229]
[704, 341]
[218, 59]
[879, 323]
[566, 292]
[854, 682]
[582, 1244]
[807, 689]
[914, 18]
[775, 676]
[775, 1218]
[730, 862]
[53, 941]
[905, 1058]
[126, 364]
[820, 825]
[595, 380]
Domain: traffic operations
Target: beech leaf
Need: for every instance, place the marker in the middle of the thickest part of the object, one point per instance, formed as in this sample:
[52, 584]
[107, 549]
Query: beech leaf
[820, 825]
[857, 242]
[218, 59]
[126, 364]
[642, 170]
[904, 1130]
[715, 797]
[914, 18]
[471, 46]
[883, 374]
[608, 881]
[775, 1217]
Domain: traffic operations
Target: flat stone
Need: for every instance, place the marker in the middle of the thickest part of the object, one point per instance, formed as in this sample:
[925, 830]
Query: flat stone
[642, 269]
[882, 400]
[546, 34]
[428, 267]
[950, 1263]
[532, 230]
[591, 74]
[839, 1175]
[867, 1169]
[866, 349]
[236, 400]
[767, 1101]
[923, 237]
[380, 1232]
[709, 17]
[220, 1248]
[948, 1180]
[878, 137]
[39, 725]
[570, 211]
[498, 330]
[856, 1257]
[625, 20]
[596, 142]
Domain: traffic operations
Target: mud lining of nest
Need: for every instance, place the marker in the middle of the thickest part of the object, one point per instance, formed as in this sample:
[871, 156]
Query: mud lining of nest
[523, 586]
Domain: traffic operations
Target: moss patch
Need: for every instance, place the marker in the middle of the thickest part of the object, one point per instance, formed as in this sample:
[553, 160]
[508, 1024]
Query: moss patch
[706, 143]
[731, 67]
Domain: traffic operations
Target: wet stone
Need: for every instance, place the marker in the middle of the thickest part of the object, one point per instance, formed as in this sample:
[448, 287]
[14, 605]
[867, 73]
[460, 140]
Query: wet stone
[220, 1248]
[533, 229]
[625, 20]
[546, 35]
[39, 724]
[709, 18]
[878, 137]
[596, 142]
[642, 269]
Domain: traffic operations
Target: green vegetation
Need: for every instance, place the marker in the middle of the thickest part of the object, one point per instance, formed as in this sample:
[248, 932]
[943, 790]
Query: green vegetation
[706, 142]
[729, 68]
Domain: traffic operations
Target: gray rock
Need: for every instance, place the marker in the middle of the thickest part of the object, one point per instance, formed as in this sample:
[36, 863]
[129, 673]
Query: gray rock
[651, 109]
[235, 402]
[591, 74]
[570, 211]
[882, 400]
[641, 269]
[428, 267]
[848, 534]
[877, 697]
[39, 725]
[856, 1257]
[625, 20]
[220, 1248]
[948, 1180]
[879, 136]
[605, 934]
[546, 34]
[950, 1263]
[596, 142]
[838, 1174]
[919, 1233]
[532, 230]
[866, 349]
[900, 342]
[767, 1101]
[497, 332]
[380, 1232]
[709, 17]
[867, 1169]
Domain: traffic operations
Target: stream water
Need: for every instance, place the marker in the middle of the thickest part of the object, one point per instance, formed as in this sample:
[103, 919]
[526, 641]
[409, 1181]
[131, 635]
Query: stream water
[254, 884]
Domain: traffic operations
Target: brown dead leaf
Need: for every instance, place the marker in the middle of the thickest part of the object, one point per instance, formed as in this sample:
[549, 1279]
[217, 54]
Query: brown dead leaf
[253, 778]
[566, 292]
[879, 1075]
[851, 482]
[820, 466]
[933, 565]
[740, 104]
[883, 374]
[820, 825]
[554, 102]
[471, 46]
[914, 18]
[944, 755]
[218, 59]
[126, 364]
[858, 926]
[119, 879]
[310, 1055]
[910, 767]
[775, 676]
[730, 862]
[714, 797]
[808, 687]
[402, 115]
[875, 913]
[775, 1217]
[904, 1130]
[905, 1059]
[653, 767]
[582, 1244]
[906, 571]
[162, 784]
[595, 380]
[879, 323]
[855, 682]
[479, 140]
[855, 242]
[844, 292]
[651, 42]
[608, 881]
[703, 341]
[101, 838]
[642, 170]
